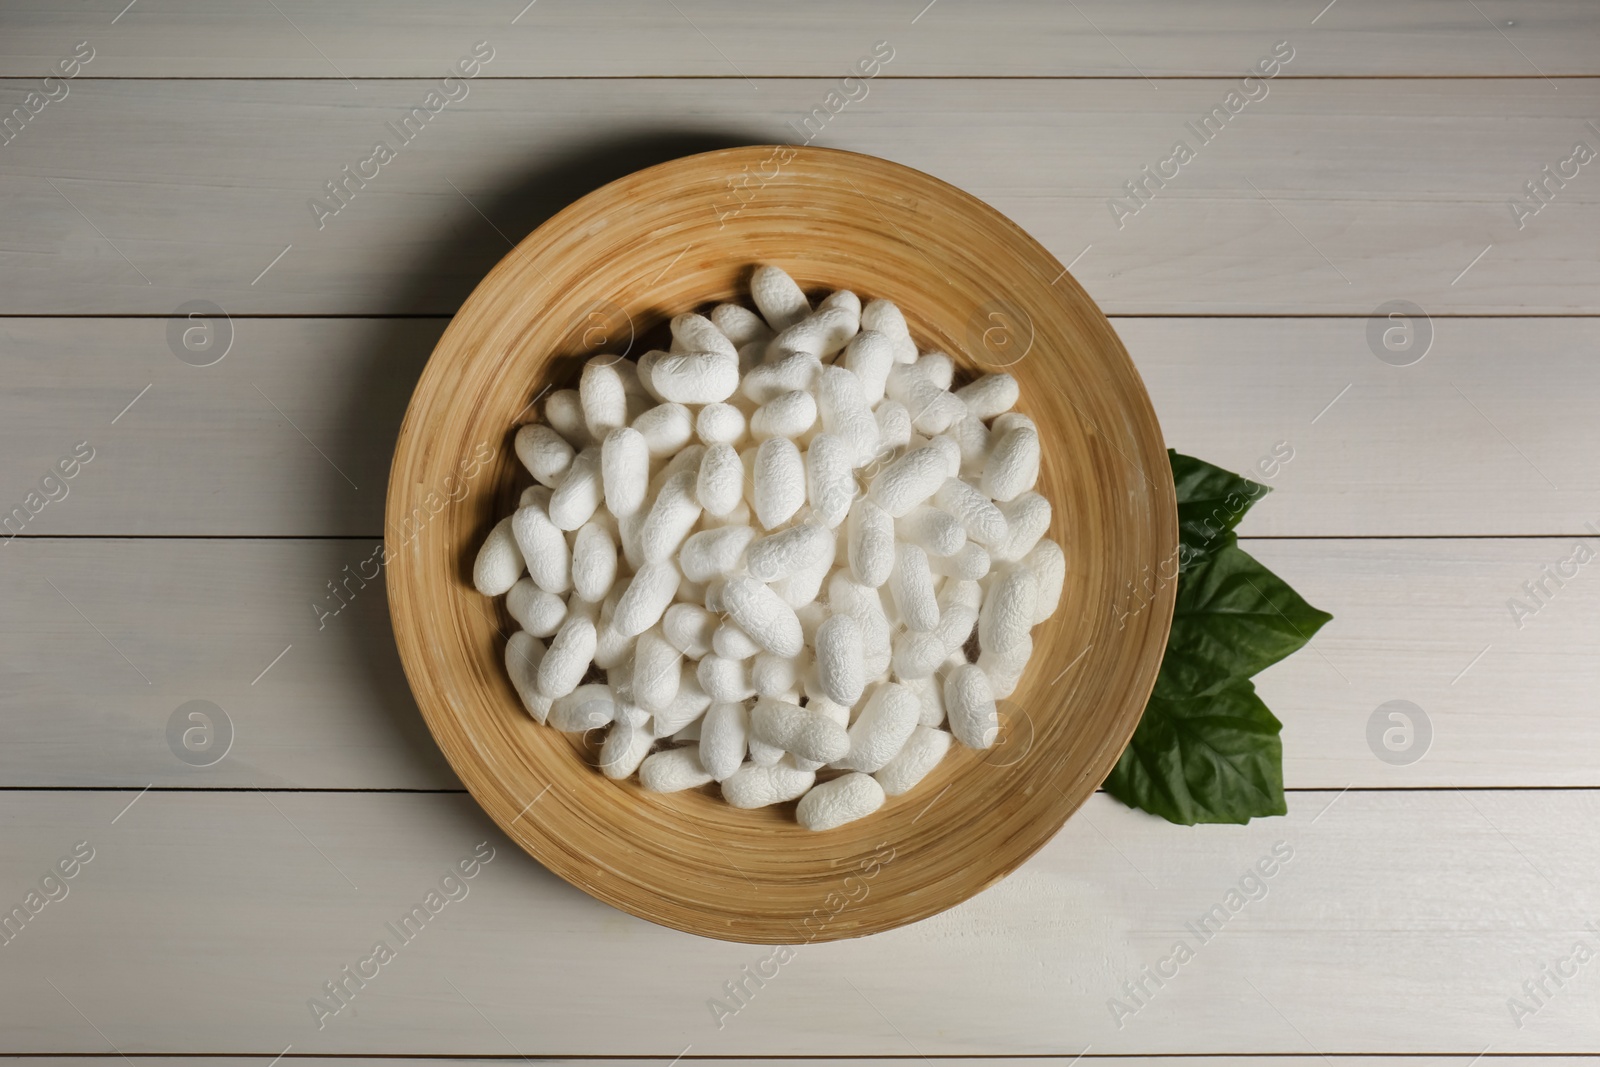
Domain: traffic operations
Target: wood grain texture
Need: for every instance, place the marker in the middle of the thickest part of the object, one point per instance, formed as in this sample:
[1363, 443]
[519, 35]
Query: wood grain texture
[202, 186]
[1088, 1059]
[721, 38]
[334, 713]
[1401, 923]
[1404, 451]
[688, 860]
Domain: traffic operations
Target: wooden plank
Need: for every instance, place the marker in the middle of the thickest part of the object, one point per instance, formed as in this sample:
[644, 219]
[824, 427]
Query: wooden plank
[1322, 197]
[185, 38]
[219, 450]
[1426, 912]
[1088, 1059]
[1419, 620]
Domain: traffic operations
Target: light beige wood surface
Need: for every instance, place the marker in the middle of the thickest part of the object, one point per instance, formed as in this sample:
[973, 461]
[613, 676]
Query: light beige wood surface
[1418, 914]
[1364, 191]
[721, 38]
[241, 901]
[201, 619]
[660, 243]
[1405, 451]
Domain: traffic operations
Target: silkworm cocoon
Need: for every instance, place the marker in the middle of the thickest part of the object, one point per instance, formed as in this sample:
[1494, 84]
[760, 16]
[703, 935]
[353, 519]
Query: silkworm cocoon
[758, 786]
[870, 357]
[841, 668]
[666, 429]
[846, 414]
[862, 603]
[930, 698]
[542, 546]
[624, 470]
[935, 531]
[773, 675]
[955, 626]
[885, 317]
[779, 479]
[673, 770]
[568, 657]
[781, 302]
[937, 367]
[631, 714]
[969, 703]
[657, 665]
[689, 628]
[719, 424]
[785, 415]
[645, 369]
[724, 680]
[1049, 566]
[921, 754]
[594, 562]
[1006, 666]
[972, 441]
[841, 298]
[1028, 517]
[990, 395]
[587, 707]
[625, 747]
[917, 655]
[830, 481]
[970, 563]
[1007, 614]
[719, 487]
[894, 425]
[793, 370]
[909, 480]
[780, 554]
[500, 561]
[1013, 463]
[690, 733]
[604, 400]
[611, 647]
[545, 453]
[579, 493]
[1012, 420]
[870, 551]
[670, 518]
[842, 800]
[730, 642]
[536, 611]
[739, 324]
[563, 410]
[763, 615]
[696, 333]
[911, 587]
[952, 452]
[535, 494]
[801, 586]
[798, 730]
[984, 522]
[645, 598]
[724, 738]
[524, 653]
[686, 460]
[932, 408]
[811, 616]
[686, 706]
[712, 553]
[766, 755]
[881, 730]
[696, 377]
[821, 334]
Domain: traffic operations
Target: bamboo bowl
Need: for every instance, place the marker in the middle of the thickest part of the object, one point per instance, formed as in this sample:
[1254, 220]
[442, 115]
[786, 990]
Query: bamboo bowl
[600, 276]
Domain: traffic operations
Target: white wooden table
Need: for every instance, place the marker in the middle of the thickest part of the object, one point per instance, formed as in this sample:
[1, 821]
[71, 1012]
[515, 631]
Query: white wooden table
[184, 561]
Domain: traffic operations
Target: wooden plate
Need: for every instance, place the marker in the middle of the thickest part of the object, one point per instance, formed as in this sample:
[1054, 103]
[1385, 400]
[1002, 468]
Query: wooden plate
[598, 277]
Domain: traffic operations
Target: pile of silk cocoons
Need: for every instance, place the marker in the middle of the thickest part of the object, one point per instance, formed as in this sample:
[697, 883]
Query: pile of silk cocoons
[782, 556]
